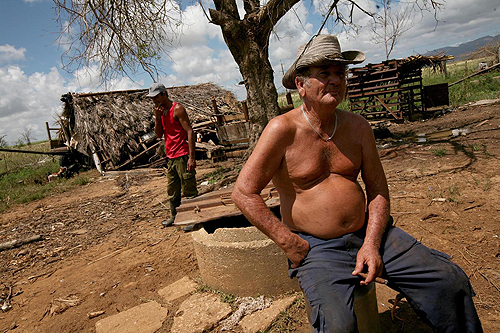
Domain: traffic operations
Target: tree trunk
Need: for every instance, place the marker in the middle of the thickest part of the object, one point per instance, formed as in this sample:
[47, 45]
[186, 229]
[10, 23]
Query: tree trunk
[252, 56]
[248, 41]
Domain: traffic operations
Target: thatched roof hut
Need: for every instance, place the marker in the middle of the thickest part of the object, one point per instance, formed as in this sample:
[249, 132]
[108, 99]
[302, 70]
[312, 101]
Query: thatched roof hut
[118, 125]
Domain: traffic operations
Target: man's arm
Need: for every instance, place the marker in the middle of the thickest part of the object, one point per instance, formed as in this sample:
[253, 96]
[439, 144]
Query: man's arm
[181, 115]
[255, 175]
[158, 123]
[377, 194]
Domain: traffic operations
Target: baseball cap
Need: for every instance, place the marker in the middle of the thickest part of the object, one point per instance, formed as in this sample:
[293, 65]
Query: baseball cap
[155, 89]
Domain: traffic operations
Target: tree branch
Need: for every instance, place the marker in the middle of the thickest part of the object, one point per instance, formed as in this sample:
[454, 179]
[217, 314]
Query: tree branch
[226, 7]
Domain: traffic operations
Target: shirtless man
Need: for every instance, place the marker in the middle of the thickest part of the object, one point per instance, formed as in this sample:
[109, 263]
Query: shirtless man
[329, 230]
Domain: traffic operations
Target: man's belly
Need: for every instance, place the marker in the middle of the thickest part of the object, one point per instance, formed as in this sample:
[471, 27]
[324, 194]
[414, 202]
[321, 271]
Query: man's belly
[330, 209]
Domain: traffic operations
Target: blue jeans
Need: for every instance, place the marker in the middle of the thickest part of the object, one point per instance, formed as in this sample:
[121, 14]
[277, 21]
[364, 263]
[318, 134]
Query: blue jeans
[436, 288]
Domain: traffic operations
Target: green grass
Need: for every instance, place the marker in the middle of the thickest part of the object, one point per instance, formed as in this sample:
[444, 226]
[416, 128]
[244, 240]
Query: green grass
[216, 176]
[484, 86]
[23, 177]
[439, 152]
[224, 297]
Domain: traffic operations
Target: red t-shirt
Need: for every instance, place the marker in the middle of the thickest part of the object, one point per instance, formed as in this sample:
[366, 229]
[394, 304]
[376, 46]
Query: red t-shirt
[175, 136]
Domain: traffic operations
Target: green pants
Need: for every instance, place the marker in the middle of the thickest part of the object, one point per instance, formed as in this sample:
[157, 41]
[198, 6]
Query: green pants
[180, 181]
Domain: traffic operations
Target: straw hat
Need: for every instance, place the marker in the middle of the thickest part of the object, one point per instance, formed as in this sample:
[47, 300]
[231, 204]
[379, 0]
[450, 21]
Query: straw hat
[322, 50]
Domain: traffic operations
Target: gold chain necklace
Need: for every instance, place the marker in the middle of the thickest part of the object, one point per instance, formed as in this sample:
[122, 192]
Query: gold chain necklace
[314, 128]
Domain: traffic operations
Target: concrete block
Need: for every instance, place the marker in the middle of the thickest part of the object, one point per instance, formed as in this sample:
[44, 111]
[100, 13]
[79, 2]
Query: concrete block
[179, 288]
[261, 320]
[199, 312]
[243, 262]
[144, 318]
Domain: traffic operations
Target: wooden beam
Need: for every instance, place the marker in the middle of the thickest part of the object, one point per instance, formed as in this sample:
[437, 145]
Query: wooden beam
[136, 157]
[387, 108]
[477, 73]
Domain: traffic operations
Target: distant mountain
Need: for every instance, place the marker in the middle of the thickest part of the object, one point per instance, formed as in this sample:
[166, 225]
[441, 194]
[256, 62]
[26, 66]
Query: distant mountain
[461, 51]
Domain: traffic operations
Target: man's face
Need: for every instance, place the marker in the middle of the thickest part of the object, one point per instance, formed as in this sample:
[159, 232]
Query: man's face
[157, 99]
[325, 84]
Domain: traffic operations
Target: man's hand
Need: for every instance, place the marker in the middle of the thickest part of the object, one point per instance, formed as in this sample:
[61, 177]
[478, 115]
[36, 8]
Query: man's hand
[297, 250]
[191, 164]
[159, 111]
[368, 255]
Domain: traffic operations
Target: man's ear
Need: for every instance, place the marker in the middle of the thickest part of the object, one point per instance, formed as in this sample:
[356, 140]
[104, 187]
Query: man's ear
[299, 83]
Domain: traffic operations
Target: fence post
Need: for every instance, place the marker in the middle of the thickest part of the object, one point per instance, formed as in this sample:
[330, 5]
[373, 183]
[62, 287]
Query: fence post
[216, 111]
[245, 110]
[289, 98]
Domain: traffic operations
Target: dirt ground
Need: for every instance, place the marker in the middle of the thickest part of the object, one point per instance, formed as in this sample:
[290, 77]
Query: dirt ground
[103, 248]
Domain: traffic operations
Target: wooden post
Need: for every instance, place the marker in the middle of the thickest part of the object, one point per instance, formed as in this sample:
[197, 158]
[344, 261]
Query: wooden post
[289, 99]
[245, 110]
[410, 105]
[216, 111]
[48, 131]
[443, 69]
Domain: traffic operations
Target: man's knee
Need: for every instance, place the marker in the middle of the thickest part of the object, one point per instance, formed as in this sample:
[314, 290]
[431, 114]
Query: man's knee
[328, 320]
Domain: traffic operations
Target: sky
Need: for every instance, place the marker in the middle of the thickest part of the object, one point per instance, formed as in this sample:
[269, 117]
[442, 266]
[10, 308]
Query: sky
[32, 80]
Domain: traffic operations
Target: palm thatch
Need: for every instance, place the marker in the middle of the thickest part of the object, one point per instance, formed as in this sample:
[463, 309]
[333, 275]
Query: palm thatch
[420, 61]
[117, 125]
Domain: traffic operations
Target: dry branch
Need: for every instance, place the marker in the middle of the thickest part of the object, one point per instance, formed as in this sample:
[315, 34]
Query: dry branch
[18, 242]
[106, 256]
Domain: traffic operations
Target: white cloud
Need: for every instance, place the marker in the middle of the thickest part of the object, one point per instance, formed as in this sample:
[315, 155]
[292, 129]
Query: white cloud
[196, 28]
[9, 53]
[28, 101]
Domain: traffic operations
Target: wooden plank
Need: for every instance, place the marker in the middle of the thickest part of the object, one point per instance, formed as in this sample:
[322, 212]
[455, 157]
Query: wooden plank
[370, 82]
[136, 157]
[387, 108]
[374, 106]
[214, 205]
[365, 88]
[202, 124]
[233, 117]
[376, 93]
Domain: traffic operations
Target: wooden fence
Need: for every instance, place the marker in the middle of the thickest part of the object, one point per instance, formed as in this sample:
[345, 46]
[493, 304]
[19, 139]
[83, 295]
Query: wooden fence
[391, 89]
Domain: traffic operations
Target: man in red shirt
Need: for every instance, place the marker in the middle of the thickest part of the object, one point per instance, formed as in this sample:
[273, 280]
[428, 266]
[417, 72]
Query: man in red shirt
[172, 122]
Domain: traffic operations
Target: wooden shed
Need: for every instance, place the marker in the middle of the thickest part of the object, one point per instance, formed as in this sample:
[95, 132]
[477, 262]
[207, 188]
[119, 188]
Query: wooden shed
[116, 128]
[391, 89]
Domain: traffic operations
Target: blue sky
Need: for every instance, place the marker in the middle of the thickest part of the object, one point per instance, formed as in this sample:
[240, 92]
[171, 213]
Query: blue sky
[32, 81]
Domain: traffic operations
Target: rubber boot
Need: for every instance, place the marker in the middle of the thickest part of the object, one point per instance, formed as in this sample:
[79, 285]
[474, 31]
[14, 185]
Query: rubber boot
[171, 219]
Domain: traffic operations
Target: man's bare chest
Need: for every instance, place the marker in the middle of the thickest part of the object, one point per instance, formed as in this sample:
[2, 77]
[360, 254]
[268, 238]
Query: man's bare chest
[309, 164]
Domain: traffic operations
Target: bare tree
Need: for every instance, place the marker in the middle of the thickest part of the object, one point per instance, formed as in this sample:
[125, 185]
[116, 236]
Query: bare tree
[388, 26]
[123, 36]
[27, 136]
[492, 49]
[3, 142]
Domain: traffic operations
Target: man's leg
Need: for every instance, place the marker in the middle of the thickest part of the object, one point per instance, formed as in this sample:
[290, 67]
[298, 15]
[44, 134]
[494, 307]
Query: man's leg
[188, 178]
[173, 190]
[325, 277]
[436, 288]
